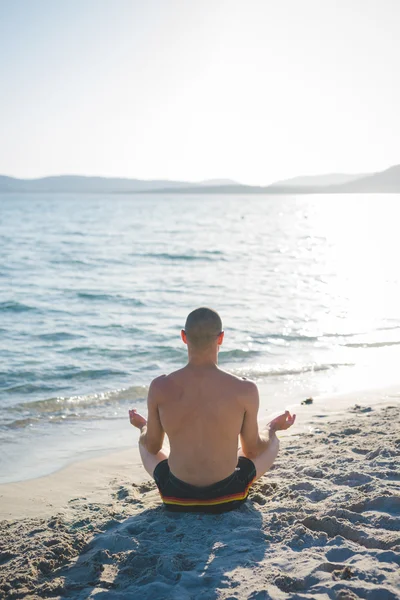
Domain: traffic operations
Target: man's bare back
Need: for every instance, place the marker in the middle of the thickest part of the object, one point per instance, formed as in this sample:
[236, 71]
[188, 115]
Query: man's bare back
[202, 411]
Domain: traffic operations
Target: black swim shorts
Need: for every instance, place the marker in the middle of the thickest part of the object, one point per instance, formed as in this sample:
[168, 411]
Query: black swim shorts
[219, 497]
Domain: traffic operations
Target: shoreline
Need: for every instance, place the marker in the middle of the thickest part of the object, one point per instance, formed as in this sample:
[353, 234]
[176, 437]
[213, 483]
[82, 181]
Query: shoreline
[45, 447]
[41, 496]
[324, 522]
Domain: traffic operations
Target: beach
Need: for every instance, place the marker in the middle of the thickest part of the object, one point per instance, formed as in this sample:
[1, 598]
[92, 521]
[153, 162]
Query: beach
[323, 523]
[85, 329]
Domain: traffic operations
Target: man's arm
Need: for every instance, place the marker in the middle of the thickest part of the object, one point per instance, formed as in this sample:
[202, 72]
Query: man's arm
[253, 444]
[152, 434]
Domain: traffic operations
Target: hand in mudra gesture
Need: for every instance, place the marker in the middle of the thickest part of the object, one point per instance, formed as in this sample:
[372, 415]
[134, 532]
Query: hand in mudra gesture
[136, 419]
[282, 422]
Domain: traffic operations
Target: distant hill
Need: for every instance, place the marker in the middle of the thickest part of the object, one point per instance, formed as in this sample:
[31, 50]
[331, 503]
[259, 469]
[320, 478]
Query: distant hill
[318, 180]
[387, 181]
[95, 185]
[235, 188]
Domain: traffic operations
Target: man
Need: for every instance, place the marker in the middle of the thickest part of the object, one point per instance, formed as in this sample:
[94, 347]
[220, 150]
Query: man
[204, 410]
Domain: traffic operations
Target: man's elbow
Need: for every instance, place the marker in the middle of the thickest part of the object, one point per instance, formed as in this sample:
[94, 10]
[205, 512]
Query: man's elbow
[250, 453]
[150, 446]
[258, 448]
[253, 452]
[154, 448]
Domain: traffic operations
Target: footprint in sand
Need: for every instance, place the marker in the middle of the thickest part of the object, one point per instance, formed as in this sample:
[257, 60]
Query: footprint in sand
[362, 451]
[386, 504]
[333, 527]
[352, 479]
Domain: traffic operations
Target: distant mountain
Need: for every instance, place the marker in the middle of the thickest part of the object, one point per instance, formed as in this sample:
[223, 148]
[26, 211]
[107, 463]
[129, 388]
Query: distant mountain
[387, 181]
[317, 180]
[234, 188]
[384, 182]
[81, 184]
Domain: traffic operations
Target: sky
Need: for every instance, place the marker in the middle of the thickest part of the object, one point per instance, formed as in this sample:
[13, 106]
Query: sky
[255, 91]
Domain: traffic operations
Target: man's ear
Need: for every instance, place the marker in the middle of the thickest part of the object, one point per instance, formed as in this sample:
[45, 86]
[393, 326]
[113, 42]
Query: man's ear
[220, 338]
[183, 336]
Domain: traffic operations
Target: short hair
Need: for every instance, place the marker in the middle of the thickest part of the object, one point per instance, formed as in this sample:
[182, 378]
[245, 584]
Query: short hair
[202, 327]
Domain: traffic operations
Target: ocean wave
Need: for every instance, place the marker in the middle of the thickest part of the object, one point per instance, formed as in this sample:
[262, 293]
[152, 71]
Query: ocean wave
[81, 350]
[260, 370]
[168, 352]
[60, 404]
[205, 255]
[340, 335]
[286, 337]
[296, 337]
[238, 353]
[101, 352]
[20, 423]
[119, 326]
[357, 333]
[41, 381]
[59, 336]
[56, 420]
[372, 344]
[70, 261]
[16, 307]
[98, 297]
[13, 375]
[27, 388]
[87, 374]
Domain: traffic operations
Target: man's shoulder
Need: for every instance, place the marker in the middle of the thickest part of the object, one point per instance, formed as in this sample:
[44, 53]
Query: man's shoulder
[164, 382]
[241, 383]
[158, 382]
[248, 386]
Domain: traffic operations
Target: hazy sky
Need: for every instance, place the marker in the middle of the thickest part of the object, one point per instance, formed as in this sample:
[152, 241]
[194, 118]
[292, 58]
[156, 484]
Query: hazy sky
[254, 90]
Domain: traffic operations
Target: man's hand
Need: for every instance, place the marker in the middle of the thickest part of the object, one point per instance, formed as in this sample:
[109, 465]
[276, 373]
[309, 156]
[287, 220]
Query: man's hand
[136, 419]
[282, 422]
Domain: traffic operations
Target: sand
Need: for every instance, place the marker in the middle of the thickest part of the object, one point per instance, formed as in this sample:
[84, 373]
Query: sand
[324, 523]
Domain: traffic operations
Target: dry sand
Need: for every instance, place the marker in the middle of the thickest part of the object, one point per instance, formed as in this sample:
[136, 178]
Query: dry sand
[324, 523]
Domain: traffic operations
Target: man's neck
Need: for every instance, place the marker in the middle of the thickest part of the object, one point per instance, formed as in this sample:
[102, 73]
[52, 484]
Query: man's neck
[203, 359]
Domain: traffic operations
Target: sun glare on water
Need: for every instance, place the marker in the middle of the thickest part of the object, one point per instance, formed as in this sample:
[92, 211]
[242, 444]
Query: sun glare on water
[356, 257]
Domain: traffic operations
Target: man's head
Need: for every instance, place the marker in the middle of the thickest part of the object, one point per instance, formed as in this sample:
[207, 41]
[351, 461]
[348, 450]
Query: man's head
[203, 329]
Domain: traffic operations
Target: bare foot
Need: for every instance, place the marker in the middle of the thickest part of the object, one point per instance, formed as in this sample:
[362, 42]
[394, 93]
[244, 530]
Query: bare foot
[282, 422]
[136, 419]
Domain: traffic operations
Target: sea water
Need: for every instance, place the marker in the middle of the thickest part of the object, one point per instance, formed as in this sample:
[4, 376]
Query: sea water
[94, 290]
